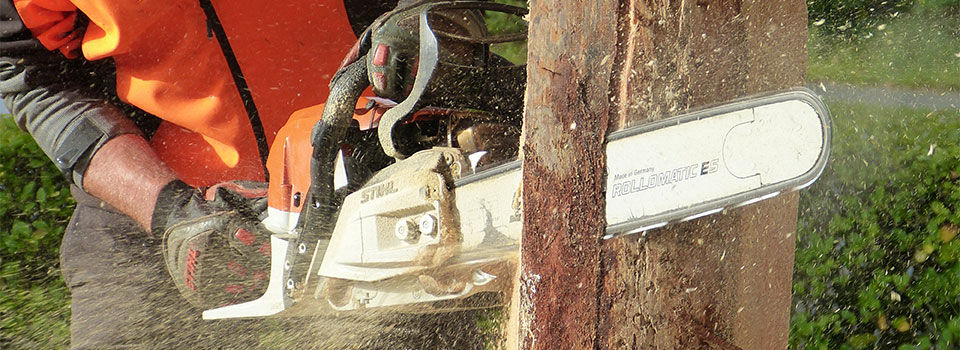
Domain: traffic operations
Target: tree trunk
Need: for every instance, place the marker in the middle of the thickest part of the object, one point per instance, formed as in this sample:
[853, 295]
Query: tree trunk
[565, 122]
[722, 281]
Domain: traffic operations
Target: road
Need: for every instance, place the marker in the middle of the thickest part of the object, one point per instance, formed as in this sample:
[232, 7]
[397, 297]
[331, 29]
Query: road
[886, 96]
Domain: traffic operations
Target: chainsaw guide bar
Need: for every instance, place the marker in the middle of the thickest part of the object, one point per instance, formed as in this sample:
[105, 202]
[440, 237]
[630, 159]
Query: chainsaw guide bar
[703, 162]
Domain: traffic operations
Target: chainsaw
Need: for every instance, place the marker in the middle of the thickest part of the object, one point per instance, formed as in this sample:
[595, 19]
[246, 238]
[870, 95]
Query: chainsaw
[415, 205]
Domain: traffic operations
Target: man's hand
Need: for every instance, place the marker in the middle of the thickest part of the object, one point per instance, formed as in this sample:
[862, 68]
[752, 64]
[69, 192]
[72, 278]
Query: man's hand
[214, 245]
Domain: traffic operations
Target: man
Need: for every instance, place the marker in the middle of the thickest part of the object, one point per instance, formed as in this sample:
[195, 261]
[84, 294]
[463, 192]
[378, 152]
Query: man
[140, 104]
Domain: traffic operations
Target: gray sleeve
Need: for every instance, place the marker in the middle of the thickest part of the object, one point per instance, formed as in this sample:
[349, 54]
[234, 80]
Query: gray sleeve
[69, 126]
[51, 98]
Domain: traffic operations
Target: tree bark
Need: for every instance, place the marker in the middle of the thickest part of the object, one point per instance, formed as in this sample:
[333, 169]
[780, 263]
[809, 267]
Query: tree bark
[723, 281]
[565, 122]
[720, 282]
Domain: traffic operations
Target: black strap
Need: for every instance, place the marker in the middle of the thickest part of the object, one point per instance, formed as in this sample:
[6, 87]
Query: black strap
[361, 13]
[214, 25]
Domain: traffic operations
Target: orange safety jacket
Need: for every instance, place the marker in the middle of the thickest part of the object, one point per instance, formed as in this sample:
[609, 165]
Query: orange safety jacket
[170, 65]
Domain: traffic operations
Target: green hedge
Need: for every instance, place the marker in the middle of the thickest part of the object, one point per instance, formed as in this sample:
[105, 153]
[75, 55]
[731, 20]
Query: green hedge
[878, 257]
[35, 206]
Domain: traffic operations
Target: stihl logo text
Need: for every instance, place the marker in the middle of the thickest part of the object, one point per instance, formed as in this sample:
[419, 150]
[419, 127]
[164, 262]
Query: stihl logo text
[377, 191]
[673, 176]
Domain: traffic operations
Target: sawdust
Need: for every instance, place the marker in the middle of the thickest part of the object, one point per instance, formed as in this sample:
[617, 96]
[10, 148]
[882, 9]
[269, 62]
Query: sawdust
[377, 330]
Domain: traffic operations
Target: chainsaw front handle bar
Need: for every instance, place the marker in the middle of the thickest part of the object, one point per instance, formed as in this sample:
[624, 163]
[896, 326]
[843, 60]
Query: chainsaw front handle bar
[429, 56]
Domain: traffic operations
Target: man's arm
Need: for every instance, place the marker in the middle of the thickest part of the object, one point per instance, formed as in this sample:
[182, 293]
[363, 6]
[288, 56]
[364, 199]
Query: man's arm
[99, 148]
[91, 140]
[126, 173]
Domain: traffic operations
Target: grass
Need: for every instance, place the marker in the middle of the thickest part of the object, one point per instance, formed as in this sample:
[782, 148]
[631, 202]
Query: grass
[913, 50]
[35, 317]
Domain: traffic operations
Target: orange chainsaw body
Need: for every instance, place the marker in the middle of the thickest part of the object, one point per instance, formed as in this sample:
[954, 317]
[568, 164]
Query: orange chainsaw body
[289, 161]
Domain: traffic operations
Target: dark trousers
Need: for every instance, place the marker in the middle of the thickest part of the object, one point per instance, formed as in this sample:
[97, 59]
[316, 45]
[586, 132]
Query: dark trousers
[122, 295]
[123, 298]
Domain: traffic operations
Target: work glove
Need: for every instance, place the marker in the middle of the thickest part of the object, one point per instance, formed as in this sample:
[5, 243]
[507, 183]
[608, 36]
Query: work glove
[214, 245]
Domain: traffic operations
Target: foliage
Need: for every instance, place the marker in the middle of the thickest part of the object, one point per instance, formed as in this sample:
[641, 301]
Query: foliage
[491, 322]
[501, 23]
[868, 143]
[913, 50]
[949, 7]
[34, 209]
[877, 258]
[851, 18]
